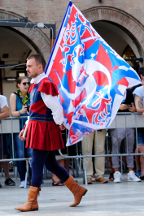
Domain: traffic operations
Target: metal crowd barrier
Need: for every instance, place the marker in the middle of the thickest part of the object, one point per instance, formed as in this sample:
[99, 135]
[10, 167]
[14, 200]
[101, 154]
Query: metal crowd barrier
[122, 120]
[11, 125]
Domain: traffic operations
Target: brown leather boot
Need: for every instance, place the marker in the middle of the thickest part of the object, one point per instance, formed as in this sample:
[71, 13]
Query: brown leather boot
[77, 190]
[31, 203]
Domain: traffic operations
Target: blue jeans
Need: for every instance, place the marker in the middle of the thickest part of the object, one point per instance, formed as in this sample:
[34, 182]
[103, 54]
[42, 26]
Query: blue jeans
[140, 136]
[21, 152]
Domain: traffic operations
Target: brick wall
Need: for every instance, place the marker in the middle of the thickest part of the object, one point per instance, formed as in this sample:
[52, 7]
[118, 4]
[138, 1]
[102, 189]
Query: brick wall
[52, 11]
[127, 13]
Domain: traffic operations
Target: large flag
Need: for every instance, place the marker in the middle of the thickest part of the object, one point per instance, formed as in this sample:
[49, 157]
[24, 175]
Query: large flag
[90, 76]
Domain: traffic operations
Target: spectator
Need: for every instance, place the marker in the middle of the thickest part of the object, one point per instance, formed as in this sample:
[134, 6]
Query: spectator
[139, 103]
[19, 103]
[4, 112]
[117, 136]
[99, 162]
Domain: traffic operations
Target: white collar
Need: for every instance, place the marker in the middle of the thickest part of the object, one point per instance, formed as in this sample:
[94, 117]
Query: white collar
[38, 78]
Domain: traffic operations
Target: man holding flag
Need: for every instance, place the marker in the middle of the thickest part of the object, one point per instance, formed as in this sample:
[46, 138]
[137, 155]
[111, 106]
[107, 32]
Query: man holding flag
[44, 135]
[91, 79]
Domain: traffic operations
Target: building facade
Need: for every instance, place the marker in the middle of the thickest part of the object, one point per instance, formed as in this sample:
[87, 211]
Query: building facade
[120, 23]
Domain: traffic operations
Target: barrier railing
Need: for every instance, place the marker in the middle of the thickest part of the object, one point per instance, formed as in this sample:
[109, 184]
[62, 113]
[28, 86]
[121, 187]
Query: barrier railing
[11, 125]
[122, 120]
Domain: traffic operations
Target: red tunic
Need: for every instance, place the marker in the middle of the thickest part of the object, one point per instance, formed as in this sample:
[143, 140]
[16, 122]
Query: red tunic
[43, 135]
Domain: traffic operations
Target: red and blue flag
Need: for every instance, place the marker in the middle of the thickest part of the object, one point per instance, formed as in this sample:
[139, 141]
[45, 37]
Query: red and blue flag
[90, 76]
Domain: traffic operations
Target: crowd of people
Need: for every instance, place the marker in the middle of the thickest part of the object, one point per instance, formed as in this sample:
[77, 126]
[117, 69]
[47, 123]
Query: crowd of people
[46, 117]
[123, 140]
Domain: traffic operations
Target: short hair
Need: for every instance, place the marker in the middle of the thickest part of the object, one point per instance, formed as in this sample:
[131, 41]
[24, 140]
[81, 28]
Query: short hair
[39, 59]
[141, 71]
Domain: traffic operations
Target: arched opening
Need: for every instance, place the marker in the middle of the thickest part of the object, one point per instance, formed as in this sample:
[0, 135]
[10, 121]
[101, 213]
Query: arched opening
[130, 58]
[118, 28]
[16, 43]
[15, 48]
[122, 41]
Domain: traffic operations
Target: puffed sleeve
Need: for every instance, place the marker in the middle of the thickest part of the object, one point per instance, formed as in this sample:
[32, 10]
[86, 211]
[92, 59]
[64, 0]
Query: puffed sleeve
[48, 88]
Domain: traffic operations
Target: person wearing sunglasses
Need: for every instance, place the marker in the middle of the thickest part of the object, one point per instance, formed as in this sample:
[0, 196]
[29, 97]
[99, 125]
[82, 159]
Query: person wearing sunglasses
[19, 104]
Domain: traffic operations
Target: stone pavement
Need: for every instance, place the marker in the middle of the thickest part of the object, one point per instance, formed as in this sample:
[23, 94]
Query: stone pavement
[121, 199]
